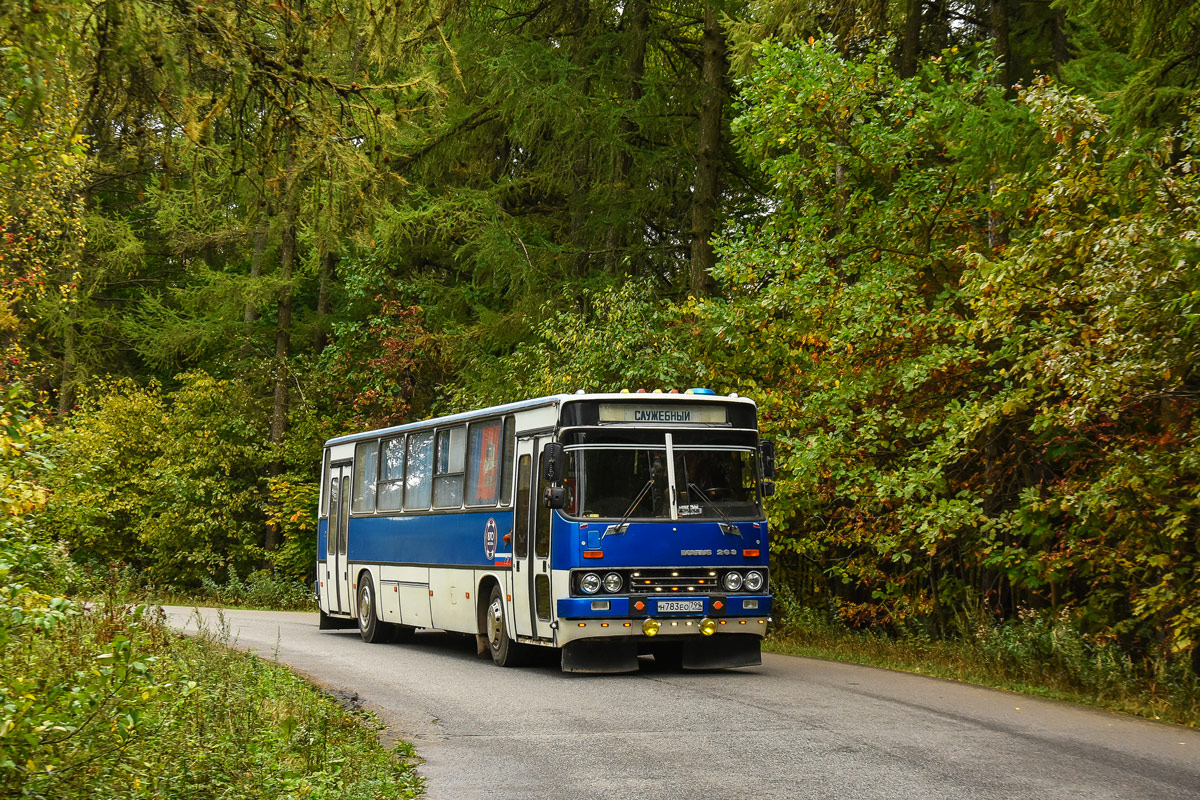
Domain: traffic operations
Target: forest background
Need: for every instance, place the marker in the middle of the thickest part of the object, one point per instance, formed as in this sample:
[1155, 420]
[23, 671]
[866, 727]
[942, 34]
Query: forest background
[949, 247]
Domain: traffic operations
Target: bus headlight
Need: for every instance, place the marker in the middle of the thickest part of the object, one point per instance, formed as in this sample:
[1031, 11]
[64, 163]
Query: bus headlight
[612, 583]
[754, 581]
[589, 583]
[732, 581]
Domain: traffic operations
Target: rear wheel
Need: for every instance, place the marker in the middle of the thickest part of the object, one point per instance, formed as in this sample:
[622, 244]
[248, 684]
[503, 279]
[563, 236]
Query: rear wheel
[370, 628]
[505, 652]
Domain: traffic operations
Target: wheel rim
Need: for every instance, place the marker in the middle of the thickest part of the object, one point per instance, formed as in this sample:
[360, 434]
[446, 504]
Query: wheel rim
[496, 624]
[364, 606]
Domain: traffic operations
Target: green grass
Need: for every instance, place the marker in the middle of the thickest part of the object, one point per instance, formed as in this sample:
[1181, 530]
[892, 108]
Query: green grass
[1037, 655]
[108, 702]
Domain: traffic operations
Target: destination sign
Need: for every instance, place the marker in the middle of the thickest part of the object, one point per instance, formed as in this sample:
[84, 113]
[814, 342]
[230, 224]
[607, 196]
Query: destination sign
[658, 415]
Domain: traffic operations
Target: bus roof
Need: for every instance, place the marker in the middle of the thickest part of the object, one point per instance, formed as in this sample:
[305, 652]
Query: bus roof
[554, 399]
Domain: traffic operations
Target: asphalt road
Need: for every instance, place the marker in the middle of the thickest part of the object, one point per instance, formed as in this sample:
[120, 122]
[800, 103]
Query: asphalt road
[792, 728]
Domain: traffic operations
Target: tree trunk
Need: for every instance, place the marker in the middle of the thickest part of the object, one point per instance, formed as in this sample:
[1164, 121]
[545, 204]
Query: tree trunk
[328, 263]
[708, 153]
[619, 236]
[1062, 45]
[580, 205]
[910, 48]
[66, 389]
[283, 333]
[999, 25]
[250, 313]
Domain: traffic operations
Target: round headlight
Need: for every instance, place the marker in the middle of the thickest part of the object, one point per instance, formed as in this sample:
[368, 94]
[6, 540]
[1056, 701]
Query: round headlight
[754, 581]
[732, 581]
[589, 583]
[612, 582]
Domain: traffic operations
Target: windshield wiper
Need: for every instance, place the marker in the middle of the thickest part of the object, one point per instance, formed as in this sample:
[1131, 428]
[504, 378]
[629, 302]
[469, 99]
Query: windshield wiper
[623, 525]
[726, 525]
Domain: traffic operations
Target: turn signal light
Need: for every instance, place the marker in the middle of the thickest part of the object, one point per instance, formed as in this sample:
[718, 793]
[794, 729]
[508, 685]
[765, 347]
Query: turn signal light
[650, 627]
[751, 553]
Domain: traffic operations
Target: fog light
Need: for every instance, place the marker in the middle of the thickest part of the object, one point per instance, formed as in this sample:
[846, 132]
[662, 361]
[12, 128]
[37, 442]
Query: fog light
[650, 627]
[708, 627]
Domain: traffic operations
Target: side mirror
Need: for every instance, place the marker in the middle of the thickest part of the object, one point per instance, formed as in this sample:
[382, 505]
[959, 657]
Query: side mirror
[555, 497]
[768, 488]
[766, 451]
[552, 462]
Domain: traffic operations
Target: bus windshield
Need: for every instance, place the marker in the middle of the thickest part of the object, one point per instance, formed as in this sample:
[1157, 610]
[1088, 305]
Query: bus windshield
[716, 483]
[616, 482]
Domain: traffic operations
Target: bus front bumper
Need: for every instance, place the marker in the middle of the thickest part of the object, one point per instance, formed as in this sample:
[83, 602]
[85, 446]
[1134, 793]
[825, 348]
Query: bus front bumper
[650, 629]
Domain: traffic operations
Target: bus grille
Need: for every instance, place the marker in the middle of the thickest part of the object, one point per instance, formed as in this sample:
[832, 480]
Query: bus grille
[673, 581]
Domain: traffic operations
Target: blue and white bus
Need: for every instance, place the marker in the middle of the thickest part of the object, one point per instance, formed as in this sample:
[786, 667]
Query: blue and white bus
[604, 525]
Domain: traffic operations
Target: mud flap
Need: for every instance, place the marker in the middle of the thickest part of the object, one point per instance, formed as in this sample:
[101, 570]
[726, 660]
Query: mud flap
[599, 656]
[328, 623]
[722, 651]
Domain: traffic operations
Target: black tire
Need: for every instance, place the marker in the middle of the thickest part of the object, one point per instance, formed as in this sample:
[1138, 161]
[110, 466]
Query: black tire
[370, 628]
[505, 652]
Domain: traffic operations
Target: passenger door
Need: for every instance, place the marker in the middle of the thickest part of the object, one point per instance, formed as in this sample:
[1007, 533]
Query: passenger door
[532, 598]
[522, 599]
[337, 579]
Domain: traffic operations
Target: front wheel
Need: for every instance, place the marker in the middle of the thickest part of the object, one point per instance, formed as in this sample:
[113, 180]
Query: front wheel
[370, 628]
[505, 652]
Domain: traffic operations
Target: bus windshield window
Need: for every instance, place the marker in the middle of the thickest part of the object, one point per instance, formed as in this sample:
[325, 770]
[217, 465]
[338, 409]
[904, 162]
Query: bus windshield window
[716, 483]
[606, 482]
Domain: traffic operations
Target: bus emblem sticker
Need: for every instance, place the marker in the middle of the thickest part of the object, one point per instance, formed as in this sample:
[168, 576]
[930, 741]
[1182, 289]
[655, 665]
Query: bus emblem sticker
[489, 539]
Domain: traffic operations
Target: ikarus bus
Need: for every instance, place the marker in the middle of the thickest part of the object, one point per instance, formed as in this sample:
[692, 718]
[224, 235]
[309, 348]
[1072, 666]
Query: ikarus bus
[604, 525]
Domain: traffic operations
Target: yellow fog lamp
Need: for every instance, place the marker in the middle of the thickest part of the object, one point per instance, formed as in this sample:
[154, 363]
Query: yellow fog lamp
[708, 627]
[650, 627]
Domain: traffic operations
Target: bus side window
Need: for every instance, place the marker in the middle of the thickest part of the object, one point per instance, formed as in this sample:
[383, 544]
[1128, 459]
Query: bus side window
[418, 472]
[391, 478]
[506, 461]
[324, 478]
[483, 464]
[521, 542]
[450, 467]
[366, 468]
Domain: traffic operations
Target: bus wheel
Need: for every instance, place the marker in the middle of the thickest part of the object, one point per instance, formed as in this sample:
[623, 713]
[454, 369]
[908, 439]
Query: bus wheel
[505, 652]
[369, 627]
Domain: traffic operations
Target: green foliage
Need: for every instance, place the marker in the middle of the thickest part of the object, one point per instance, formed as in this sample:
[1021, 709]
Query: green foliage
[261, 589]
[1091, 326]
[173, 485]
[605, 348]
[970, 325]
[43, 161]
[383, 370]
[106, 702]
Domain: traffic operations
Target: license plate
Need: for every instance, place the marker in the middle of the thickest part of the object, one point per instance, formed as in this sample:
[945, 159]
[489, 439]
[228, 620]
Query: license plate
[680, 606]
